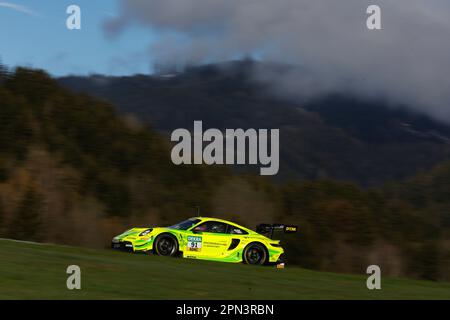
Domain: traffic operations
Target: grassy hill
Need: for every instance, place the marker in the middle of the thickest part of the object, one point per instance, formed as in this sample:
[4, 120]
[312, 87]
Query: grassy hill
[36, 271]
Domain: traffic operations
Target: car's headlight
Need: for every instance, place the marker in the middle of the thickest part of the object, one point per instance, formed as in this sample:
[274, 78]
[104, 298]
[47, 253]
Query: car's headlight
[146, 232]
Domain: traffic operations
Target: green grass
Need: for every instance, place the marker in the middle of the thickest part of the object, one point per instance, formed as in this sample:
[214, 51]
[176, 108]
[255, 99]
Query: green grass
[33, 271]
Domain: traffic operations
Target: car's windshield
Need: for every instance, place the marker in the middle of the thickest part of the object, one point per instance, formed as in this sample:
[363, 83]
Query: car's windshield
[184, 225]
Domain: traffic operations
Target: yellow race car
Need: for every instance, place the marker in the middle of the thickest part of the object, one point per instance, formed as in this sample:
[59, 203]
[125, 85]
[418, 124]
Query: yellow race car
[207, 238]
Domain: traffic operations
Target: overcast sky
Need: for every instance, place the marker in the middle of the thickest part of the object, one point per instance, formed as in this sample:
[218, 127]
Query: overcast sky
[408, 61]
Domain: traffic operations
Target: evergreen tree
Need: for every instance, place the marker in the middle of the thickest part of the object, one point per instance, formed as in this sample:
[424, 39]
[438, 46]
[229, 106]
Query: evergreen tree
[3, 71]
[1, 219]
[27, 220]
[428, 261]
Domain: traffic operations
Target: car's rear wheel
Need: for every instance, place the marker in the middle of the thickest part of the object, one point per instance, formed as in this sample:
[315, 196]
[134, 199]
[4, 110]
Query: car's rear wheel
[166, 245]
[255, 253]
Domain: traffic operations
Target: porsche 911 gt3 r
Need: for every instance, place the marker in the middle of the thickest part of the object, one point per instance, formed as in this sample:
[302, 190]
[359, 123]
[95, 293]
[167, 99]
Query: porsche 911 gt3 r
[207, 238]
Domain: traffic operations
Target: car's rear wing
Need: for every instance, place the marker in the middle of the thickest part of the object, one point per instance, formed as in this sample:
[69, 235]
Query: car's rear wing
[265, 228]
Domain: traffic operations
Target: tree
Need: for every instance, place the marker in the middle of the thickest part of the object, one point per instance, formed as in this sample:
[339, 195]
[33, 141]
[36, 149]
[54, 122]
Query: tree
[427, 261]
[3, 72]
[27, 220]
[1, 218]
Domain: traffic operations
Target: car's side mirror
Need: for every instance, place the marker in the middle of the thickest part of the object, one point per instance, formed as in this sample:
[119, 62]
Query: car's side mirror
[196, 231]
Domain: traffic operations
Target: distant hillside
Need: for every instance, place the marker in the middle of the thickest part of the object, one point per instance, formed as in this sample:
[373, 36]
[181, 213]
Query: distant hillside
[335, 136]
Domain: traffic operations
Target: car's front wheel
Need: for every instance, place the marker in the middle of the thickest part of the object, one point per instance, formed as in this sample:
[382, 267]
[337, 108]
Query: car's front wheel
[166, 245]
[255, 253]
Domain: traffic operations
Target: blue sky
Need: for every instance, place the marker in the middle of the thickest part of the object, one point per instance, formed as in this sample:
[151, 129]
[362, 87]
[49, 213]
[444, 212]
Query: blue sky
[39, 38]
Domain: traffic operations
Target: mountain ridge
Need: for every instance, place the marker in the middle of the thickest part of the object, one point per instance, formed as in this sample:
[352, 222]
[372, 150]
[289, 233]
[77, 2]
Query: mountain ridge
[332, 136]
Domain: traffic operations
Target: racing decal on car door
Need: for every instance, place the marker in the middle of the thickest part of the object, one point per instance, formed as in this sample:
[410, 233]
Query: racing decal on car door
[194, 243]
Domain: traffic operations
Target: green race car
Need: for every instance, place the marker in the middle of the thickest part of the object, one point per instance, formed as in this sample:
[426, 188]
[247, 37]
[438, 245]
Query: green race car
[207, 238]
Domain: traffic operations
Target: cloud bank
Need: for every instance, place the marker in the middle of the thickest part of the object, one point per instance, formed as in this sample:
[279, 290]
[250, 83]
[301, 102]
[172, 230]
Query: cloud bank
[408, 61]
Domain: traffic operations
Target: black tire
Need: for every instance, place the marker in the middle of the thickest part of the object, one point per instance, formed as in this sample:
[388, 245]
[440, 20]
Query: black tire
[166, 245]
[255, 253]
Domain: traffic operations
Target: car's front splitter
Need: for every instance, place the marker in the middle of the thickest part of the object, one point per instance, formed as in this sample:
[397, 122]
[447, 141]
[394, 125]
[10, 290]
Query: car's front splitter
[122, 246]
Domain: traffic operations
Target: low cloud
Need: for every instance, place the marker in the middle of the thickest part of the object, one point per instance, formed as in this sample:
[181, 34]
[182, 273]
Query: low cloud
[408, 61]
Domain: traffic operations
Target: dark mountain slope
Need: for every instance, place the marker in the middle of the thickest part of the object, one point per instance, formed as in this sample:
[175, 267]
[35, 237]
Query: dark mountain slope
[334, 136]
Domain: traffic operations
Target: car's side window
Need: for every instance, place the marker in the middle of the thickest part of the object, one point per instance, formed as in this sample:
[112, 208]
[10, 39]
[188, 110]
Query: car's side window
[212, 226]
[236, 230]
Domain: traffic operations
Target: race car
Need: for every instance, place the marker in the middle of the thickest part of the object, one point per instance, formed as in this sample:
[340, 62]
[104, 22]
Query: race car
[207, 238]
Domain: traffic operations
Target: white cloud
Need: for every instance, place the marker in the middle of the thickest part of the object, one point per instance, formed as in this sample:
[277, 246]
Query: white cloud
[19, 8]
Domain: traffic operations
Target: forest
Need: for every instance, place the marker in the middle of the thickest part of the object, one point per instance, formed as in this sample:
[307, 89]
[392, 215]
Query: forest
[73, 170]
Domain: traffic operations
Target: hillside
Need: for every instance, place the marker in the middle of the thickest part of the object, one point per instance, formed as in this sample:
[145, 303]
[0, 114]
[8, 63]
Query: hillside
[76, 163]
[74, 171]
[116, 275]
[336, 136]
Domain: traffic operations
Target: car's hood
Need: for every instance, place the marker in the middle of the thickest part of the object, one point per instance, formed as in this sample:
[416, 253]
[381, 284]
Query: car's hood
[131, 233]
[134, 234]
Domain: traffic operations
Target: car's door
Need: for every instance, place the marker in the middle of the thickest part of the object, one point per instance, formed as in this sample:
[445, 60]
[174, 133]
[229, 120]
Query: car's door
[208, 240]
